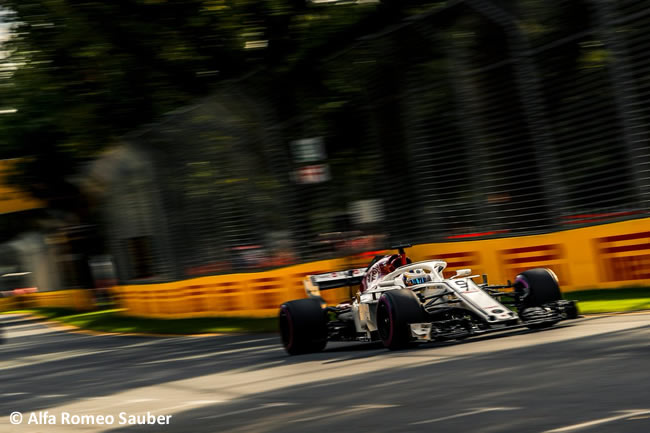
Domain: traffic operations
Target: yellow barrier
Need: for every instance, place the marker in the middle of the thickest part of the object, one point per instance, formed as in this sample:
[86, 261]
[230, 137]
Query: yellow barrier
[7, 304]
[80, 300]
[605, 256]
[599, 257]
[13, 199]
[245, 295]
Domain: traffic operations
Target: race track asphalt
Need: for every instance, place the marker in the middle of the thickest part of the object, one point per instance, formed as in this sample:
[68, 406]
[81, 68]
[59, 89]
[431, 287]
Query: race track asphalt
[587, 375]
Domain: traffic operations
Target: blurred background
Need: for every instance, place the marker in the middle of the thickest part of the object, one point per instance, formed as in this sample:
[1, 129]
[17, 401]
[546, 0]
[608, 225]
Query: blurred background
[158, 140]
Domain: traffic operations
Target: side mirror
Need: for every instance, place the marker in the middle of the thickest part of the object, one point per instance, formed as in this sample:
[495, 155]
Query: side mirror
[463, 273]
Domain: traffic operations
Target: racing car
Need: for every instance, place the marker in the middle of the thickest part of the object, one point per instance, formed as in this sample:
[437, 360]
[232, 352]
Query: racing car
[402, 303]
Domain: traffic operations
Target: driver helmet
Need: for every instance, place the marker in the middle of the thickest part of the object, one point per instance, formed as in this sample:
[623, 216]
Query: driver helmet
[415, 277]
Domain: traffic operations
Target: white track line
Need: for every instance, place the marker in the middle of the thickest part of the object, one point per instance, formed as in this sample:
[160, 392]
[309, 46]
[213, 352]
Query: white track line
[270, 347]
[251, 409]
[583, 425]
[30, 360]
[254, 341]
[354, 409]
[469, 413]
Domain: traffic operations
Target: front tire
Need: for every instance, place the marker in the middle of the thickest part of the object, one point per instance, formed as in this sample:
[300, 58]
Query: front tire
[396, 309]
[303, 326]
[536, 287]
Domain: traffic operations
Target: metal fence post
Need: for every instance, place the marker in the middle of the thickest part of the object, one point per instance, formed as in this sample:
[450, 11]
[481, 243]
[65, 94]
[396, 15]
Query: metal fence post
[529, 86]
[626, 100]
[467, 114]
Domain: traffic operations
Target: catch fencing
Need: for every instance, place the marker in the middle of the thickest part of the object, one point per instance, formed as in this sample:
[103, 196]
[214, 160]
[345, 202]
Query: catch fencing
[599, 257]
[480, 119]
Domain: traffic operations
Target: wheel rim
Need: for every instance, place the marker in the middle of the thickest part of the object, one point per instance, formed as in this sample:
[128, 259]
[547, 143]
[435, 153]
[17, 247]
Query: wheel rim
[384, 322]
[286, 327]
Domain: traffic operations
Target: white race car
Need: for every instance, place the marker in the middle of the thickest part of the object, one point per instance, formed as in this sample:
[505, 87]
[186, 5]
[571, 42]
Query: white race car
[399, 303]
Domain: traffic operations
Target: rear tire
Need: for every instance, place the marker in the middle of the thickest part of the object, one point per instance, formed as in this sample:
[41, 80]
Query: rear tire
[303, 326]
[396, 309]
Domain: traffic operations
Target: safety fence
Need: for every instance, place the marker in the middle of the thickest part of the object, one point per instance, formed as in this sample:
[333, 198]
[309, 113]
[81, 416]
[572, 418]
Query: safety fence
[606, 256]
[478, 119]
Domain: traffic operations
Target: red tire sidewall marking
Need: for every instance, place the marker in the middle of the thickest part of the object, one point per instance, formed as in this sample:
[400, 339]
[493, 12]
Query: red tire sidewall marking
[390, 318]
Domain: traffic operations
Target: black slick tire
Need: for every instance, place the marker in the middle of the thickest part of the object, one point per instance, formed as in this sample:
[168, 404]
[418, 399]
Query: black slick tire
[537, 287]
[303, 326]
[396, 309]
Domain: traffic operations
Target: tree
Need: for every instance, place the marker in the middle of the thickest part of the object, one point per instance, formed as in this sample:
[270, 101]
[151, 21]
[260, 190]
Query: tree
[82, 73]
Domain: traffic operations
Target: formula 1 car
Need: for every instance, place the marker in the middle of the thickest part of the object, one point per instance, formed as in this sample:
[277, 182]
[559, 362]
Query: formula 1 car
[401, 303]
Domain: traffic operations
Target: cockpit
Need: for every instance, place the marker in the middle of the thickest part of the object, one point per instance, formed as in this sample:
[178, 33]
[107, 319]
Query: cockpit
[418, 273]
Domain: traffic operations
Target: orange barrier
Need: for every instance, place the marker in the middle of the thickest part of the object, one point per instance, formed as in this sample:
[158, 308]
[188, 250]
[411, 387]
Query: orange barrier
[7, 304]
[14, 199]
[245, 295]
[80, 300]
[598, 257]
[605, 256]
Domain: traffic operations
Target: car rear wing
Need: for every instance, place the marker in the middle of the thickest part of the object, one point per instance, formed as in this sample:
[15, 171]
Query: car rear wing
[332, 280]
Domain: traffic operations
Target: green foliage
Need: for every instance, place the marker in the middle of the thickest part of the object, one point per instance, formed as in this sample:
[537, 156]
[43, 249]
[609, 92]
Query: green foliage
[81, 74]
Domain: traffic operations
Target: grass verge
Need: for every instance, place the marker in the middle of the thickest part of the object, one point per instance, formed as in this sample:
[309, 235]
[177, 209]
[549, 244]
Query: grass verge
[611, 300]
[115, 321]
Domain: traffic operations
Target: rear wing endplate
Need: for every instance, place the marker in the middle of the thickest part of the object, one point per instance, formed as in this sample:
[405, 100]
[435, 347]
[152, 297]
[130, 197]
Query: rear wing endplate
[333, 280]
